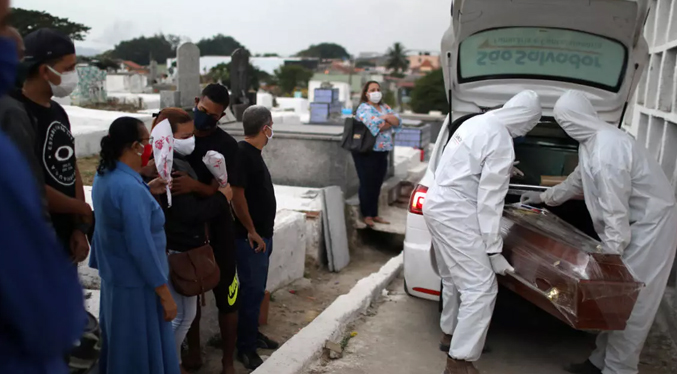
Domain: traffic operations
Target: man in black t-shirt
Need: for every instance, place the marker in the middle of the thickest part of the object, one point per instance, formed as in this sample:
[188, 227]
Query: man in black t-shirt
[209, 108]
[255, 206]
[50, 61]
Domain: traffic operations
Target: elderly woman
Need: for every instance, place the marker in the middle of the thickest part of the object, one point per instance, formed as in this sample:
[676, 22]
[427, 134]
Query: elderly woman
[372, 166]
[129, 250]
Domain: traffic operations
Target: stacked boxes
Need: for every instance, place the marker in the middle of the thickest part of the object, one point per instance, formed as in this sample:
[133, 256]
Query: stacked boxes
[415, 137]
[326, 105]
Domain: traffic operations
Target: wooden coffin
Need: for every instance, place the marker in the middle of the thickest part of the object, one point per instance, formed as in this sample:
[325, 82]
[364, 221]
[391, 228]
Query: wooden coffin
[562, 271]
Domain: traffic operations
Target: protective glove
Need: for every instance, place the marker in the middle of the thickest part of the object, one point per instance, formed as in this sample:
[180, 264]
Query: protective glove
[500, 264]
[531, 198]
[515, 172]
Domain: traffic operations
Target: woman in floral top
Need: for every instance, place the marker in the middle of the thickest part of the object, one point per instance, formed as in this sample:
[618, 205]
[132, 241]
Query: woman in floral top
[371, 167]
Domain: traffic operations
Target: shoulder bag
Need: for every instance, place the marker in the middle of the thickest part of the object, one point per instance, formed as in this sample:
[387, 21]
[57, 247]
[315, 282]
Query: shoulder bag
[357, 137]
[194, 272]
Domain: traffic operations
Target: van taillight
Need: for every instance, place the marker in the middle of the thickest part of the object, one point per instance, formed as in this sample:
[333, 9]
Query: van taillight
[417, 199]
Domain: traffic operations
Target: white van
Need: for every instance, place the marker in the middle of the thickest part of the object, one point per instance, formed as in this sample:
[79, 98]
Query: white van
[495, 49]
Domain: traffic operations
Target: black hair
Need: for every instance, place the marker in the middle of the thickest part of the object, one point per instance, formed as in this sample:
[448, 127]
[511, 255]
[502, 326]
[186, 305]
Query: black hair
[254, 119]
[363, 97]
[123, 132]
[217, 93]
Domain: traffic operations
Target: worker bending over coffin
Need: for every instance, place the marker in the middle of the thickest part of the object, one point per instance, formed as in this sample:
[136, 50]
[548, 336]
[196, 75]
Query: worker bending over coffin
[632, 205]
[463, 210]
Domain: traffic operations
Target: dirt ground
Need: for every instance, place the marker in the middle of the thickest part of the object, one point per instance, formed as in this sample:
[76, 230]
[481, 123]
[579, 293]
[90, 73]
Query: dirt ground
[295, 306]
[87, 167]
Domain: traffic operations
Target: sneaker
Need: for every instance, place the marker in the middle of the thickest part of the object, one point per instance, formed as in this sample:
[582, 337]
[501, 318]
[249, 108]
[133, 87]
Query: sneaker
[264, 342]
[585, 368]
[250, 360]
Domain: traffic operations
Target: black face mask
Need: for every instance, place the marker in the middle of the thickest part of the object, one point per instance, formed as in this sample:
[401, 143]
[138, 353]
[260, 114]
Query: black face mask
[203, 121]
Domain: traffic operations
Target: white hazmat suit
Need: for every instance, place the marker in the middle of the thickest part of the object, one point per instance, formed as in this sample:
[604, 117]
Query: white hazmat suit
[463, 210]
[633, 209]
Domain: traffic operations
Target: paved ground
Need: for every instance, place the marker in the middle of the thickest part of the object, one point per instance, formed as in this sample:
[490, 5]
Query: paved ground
[402, 336]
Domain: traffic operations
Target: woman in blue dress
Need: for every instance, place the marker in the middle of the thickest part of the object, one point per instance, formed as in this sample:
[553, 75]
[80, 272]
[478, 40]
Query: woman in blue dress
[129, 250]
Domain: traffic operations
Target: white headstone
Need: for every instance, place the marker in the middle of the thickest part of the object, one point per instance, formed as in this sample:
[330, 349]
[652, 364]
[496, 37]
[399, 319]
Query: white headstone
[136, 84]
[188, 73]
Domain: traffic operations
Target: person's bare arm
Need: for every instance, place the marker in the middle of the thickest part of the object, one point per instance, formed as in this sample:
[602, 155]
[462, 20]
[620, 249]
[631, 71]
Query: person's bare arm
[242, 212]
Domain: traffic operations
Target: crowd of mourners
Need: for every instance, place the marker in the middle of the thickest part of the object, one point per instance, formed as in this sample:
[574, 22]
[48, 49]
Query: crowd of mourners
[159, 243]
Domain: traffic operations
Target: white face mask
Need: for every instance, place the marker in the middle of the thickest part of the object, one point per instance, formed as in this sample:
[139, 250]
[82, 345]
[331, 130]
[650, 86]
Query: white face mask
[69, 80]
[375, 97]
[271, 133]
[184, 147]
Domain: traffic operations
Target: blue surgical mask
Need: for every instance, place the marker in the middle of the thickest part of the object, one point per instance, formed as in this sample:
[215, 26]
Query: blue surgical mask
[203, 121]
[9, 61]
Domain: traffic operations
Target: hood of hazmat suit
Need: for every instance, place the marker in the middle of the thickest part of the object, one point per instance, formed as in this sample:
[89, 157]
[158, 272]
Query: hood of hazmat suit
[472, 177]
[632, 205]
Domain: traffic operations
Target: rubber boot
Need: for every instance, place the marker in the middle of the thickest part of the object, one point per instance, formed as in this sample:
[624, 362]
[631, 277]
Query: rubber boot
[460, 367]
[585, 368]
[445, 344]
[192, 360]
[228, 328]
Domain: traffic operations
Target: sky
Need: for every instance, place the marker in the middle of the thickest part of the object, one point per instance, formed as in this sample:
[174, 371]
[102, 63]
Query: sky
[263, 26]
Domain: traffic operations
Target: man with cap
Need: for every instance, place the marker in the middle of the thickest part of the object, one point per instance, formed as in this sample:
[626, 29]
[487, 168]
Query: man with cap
[50, 64]
[42, 310]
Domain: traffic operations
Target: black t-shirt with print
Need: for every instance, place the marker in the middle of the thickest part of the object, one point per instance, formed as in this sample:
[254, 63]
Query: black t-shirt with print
[55, 150]
[254, 178]
[222, 233]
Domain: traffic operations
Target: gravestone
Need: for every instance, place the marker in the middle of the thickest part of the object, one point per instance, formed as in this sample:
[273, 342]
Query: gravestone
[152, 75]
[239, 82]
[136, 84]
[188, 73]
[91, 88]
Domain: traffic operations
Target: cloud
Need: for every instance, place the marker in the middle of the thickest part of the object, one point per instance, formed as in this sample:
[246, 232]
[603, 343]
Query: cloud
[115, 33]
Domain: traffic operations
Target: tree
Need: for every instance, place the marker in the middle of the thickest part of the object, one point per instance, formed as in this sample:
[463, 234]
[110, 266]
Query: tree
[289, 77]
[428, 94]
[219, 45]
[27, 21]
[270, 55]
[325, 51]
[140, 50]
[221, 73]
[397, 58]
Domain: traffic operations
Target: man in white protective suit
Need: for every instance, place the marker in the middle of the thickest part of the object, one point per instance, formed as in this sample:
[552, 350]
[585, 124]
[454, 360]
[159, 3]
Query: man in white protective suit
[463, 210]
[633, 209]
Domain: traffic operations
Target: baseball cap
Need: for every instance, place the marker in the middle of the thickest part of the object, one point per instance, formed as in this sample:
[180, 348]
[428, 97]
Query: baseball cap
[46, 44]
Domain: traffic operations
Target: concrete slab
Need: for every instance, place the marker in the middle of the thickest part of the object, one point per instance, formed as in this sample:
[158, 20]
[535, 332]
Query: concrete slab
[287, 263]
[334, 224]
[296, 129]
[305, 347]
[89, 126]
[148, 101]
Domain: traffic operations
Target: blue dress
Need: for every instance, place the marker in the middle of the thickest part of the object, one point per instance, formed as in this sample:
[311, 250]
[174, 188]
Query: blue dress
[129, 251]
